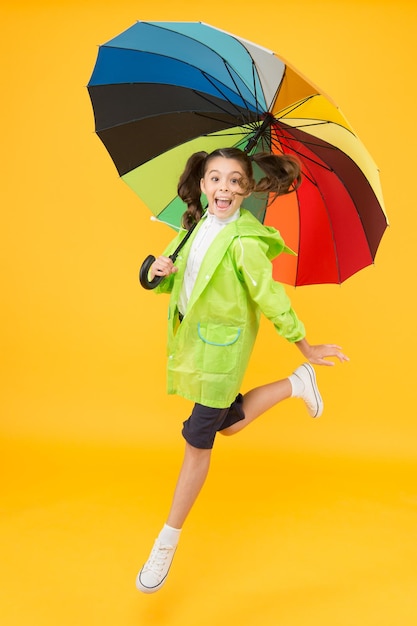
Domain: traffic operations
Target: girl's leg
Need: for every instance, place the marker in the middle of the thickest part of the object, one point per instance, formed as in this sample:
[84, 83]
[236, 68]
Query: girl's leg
[192, 475]
[258, 401]
[301, 384]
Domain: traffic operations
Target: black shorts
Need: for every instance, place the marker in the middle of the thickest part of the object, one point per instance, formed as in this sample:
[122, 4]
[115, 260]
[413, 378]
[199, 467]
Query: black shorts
[201, 427]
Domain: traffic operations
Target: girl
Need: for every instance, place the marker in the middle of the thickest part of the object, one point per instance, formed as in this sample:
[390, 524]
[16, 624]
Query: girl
[220, 285]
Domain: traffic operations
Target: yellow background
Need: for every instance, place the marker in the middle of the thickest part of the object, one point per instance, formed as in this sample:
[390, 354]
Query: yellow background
[301, 521]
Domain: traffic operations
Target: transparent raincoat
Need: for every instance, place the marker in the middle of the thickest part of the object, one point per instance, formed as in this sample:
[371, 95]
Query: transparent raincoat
[208, 352]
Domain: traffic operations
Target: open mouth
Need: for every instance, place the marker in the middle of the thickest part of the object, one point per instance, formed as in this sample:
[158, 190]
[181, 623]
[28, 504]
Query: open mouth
[223, 203]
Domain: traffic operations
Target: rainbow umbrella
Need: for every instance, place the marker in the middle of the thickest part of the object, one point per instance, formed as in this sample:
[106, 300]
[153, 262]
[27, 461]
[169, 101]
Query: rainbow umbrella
[163, 90]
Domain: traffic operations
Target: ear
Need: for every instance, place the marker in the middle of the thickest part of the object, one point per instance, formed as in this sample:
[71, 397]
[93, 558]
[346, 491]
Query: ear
[202, 186]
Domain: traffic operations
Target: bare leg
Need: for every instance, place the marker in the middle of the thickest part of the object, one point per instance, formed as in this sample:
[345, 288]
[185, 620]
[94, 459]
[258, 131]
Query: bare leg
[192, 476]
[196, 461]
[259, 400]
[193, 473]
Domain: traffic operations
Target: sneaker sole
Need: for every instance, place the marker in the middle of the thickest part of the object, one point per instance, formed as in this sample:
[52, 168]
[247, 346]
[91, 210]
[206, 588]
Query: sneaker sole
[317, 395]
[141, 587]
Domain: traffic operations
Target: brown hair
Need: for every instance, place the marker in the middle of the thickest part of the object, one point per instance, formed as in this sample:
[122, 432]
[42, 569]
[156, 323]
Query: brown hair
[282, 176]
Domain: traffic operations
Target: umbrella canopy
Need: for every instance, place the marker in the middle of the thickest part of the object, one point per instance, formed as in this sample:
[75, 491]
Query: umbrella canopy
[163, 90]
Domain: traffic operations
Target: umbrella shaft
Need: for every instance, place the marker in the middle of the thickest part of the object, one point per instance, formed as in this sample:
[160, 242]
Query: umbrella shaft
[269, 118]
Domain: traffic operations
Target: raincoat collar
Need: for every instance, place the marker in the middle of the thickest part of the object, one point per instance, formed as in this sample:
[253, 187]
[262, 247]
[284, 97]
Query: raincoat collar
[245, 226]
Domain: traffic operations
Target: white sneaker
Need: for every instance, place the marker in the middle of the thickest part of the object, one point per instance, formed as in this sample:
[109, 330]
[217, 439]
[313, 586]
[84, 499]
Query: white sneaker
[153, 574]
[311, 394]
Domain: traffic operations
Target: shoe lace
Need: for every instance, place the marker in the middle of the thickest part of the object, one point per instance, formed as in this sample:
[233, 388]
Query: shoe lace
[157, 558]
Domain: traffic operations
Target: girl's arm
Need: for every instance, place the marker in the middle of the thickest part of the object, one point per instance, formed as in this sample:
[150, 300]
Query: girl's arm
[256, 270]
[318, 354]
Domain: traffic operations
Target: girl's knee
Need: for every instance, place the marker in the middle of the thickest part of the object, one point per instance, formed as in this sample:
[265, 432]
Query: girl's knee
[227, 432]
[194, 451]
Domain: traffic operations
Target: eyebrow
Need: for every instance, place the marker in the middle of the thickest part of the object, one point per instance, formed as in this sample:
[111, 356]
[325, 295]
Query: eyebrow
[218, 172]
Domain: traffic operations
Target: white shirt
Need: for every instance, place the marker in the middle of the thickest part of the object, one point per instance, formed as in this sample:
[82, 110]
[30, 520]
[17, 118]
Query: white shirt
[207, 232]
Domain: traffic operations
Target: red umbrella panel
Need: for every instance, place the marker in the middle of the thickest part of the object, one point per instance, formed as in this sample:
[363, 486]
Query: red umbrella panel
[334, 220]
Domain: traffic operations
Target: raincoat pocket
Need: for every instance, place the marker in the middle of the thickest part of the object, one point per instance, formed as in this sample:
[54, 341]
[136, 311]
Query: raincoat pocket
[219, 349]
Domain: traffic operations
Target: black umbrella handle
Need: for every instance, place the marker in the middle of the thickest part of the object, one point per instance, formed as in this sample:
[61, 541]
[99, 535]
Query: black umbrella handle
[146, 265]
[144, 271]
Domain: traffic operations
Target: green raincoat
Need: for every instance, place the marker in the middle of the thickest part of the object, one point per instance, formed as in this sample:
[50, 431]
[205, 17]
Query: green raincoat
[209, 351]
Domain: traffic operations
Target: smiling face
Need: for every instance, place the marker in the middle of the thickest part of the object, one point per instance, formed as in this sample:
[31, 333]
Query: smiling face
[224, 185]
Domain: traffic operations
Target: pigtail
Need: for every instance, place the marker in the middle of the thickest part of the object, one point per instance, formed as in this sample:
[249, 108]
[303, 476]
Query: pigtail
[283, 173]
[189, 189]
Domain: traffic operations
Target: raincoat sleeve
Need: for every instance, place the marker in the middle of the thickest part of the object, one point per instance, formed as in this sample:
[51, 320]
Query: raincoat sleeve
[255, 269]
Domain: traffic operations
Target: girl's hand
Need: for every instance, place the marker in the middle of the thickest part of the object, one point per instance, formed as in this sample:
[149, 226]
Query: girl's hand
[318, 354]
[162, 266]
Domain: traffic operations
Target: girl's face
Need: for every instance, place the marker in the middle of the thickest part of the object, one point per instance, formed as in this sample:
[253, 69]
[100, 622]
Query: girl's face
[222, 184]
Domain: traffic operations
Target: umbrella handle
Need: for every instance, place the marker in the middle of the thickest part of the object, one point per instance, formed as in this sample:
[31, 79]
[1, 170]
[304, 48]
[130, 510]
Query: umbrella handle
[143, 274]
[146, 265]
[144, 271]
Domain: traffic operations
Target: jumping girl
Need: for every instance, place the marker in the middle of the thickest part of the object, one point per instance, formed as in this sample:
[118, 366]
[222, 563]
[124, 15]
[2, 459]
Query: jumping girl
[220, 285]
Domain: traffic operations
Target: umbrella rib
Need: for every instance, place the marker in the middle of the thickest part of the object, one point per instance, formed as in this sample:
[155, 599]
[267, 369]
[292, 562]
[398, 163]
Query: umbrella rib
[255, 91]
[230, 134]
[207, 99]
[296, 105]
[227, 66]
[221, 133]
[287, 144]
[321, 123]
[304, 156]
[208, 78]
[313, 122]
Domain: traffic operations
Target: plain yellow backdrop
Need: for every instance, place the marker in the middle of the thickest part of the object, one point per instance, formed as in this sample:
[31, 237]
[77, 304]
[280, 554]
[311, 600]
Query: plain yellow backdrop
[82, 367]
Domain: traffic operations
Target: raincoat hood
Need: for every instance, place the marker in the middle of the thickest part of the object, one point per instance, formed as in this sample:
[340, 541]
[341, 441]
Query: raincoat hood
[248, 226]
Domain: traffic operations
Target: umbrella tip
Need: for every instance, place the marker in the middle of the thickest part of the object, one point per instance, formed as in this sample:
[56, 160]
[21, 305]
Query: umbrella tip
[153, 218]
